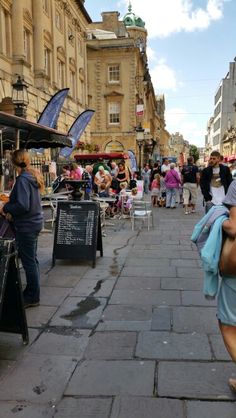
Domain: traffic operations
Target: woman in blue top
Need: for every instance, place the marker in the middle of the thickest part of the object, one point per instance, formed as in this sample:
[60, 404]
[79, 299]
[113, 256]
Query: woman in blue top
[226, 312]
[24, 209]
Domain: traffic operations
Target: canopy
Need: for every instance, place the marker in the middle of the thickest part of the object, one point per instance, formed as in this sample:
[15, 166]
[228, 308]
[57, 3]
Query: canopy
[102, 155]
[31, 135]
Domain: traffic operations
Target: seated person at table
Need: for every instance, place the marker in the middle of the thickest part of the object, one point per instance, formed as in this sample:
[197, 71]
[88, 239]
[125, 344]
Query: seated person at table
[122, 195]
[103, 191]
[102, 176]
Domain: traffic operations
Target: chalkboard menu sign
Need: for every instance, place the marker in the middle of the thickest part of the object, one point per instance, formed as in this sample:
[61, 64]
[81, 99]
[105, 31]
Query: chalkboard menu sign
[77, 231]
[12, 312]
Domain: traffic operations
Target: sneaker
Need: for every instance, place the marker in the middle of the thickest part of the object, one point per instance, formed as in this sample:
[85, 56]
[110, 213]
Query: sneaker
[193, 211]
[186, 212]
[28, 304]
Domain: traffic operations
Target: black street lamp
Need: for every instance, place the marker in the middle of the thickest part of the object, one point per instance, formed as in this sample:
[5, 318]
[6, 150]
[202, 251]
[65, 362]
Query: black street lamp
[140, 142]
[20, 97]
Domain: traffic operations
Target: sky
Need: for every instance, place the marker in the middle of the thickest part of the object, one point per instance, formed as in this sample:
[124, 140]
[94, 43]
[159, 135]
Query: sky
[190, 45]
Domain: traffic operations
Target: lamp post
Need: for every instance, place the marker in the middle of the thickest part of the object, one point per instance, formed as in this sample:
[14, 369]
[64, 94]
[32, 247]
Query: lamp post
[140, 141]
[20, 97]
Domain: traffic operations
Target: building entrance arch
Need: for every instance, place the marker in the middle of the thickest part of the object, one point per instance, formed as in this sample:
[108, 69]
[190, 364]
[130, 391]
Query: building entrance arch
[114, 146]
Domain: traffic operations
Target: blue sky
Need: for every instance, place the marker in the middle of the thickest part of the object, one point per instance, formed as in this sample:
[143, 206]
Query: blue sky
[190, 45]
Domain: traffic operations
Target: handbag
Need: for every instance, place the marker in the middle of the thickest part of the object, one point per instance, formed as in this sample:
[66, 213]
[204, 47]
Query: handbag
[227, 264]
[6, 229]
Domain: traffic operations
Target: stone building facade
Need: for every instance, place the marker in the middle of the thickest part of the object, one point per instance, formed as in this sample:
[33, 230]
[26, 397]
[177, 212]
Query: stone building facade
[120, 87]
[44, 42]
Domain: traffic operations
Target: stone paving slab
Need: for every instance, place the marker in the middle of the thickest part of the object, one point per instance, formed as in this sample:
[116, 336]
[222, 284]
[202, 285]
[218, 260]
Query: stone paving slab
[38, 378]
[84, 408]
[143, 407]
[124, 326]
[79, 312]
[127, 313]
[60, 280]
[102, 288]
[194, 319]
[111, 346]
[143, 271]
[40, 316]
[187, 263]
[171, 346]
[181, 283]
[161, 319]
[138, 283]
[188, 255]
[59, 341]
[11, 345]
[197, 409]
[162, 253]
[189, 272]
[218, 347]
[195, 380]
[148, 262]
[53, 296]
[100, 274]
[196, 298]
[25, 410]
[145, 297]
[6, 367]
[110, 378]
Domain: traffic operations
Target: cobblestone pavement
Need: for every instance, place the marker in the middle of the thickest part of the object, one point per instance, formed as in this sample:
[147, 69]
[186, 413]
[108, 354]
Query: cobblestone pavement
[132, 338]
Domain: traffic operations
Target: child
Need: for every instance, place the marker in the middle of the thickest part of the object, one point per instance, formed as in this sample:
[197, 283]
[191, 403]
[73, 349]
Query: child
[155, 189]
[103, 190]
[122, 195]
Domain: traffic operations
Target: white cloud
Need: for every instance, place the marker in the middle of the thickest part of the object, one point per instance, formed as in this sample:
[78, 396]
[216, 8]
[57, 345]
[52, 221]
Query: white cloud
[164, 17]
[163, 77]
[178, 120]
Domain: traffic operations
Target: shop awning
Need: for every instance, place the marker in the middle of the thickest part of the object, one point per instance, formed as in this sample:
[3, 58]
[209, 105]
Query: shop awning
[231, 157]
[31, 135]
[102, 155]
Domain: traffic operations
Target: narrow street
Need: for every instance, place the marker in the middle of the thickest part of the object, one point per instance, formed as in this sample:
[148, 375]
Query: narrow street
[132, 338]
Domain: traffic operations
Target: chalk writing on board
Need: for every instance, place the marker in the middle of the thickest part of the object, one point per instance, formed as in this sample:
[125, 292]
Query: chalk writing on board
[75, 228]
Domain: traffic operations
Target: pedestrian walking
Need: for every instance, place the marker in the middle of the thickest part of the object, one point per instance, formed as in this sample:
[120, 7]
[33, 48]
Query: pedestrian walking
[226, 307]
[190, 180]
[25, 210]
[145, 174]
[215, 181]
[172, 182]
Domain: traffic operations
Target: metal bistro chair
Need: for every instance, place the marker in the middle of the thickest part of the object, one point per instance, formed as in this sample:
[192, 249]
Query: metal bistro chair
[141, 210]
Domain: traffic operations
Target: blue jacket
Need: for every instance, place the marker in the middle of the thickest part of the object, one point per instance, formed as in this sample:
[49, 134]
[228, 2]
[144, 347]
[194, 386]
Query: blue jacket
[203, 228]
[210, 256]
[25, 204]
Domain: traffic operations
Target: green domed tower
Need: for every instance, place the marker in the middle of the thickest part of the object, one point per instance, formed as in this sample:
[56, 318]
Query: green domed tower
[130, 19]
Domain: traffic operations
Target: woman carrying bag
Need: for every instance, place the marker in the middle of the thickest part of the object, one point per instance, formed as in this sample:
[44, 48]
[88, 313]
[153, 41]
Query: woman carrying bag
[25, 210]
[226, 311]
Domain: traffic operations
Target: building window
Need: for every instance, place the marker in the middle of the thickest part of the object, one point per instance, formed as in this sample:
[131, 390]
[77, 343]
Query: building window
[47, 65]
[60, 73]
[26, 36]
[216, 140]
[218, 95]
[58, 19]
[217, 110]
[46, 7]
[217, 125]
[114, 73]
[114, 113]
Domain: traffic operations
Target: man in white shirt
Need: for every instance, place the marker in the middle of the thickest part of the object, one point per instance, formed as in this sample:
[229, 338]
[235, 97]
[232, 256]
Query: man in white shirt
[215, 181]
[165, 166]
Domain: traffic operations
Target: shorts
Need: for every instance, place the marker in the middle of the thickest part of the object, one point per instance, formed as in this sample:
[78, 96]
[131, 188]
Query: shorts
[226, 304]
[190, 190]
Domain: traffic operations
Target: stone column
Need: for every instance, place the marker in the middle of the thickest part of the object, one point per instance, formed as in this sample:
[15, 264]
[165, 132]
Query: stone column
[17, 31]
[38, 39]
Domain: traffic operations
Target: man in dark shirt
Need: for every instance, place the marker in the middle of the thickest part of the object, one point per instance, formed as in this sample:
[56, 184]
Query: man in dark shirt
[190, 181]
[215, 181]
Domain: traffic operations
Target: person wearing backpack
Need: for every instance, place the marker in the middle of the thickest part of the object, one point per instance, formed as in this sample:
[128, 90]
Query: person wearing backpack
[190, 180]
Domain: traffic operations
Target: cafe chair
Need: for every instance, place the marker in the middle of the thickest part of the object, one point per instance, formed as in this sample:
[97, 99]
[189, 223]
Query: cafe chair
[141, 210]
